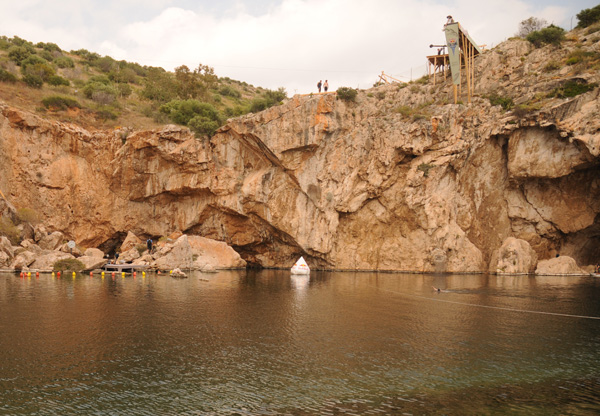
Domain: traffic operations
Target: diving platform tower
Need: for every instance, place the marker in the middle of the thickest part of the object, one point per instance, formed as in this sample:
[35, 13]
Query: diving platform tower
[461, 48]
[462, 51]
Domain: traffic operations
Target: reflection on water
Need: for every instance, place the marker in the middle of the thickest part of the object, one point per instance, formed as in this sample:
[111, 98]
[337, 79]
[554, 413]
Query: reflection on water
[249, 342]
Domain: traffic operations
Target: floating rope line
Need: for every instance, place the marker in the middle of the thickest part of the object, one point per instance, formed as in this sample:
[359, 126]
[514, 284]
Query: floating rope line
[501, 308]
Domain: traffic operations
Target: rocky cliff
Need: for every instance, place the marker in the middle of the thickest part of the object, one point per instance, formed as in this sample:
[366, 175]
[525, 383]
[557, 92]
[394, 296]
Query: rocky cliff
[398, 180]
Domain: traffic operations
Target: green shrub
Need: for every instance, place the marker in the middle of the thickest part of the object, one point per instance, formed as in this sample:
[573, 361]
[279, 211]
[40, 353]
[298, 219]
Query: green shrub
[579, 56]
[68, 265]
[235, 111]
[6, 76]
[404, 110]
[9, 230]
[33, 81]
[47, 56]
[425, 168]
[182, 111]
[123, 75]
[203, 126]
[423, 80]
[551, 66]
[105, 64]
[572, 88]
[99, 92]
[4, 43]
[347, 94]
[505, 102]
[18, 53]
[107, 114]
[60, 102]
[64, 62]
[29, 215]
[552, 35]
[32, 60]
[58, 80]
[522, 110]
[258, 104]
[588, 17]
[123, 89]
[228, 91]
[49, 47]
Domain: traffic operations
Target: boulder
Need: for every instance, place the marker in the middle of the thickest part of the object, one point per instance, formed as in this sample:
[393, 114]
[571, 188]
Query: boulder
[46, 261]
[52, 241]
[4, 259]
[209, 254]
[74, 251]
[6, 247]
[93, 252]
[23, 260]
[515, 256]
[26, 231]
[92, 262]
[176, 255]
[130, 242]
[177, 273]
[563, 265]
[129, 255]
[29, 245]
[39, 232]
[144, 260]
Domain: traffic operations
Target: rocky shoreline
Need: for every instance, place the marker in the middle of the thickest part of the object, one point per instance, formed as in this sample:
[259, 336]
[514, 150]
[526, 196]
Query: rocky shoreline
[42, 251]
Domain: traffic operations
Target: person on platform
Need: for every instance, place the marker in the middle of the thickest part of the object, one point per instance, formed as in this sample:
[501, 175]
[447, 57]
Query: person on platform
[319, 86]
[326, 86]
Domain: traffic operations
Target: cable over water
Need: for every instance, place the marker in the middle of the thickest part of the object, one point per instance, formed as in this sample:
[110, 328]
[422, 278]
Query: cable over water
[502, 308]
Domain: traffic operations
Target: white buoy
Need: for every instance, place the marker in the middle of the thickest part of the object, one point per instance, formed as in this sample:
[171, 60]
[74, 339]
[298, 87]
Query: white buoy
[300, 267]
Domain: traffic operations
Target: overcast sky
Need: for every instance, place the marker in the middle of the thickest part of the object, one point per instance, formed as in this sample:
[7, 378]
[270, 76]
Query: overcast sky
[276, 43]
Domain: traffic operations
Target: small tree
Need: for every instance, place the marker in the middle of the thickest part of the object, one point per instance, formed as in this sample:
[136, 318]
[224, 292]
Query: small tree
[552, 35]
[532, 24]
[588, 17]
[346, 94]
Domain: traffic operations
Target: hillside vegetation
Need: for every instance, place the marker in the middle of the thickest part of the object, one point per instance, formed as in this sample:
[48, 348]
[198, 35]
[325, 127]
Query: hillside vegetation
[98, 91]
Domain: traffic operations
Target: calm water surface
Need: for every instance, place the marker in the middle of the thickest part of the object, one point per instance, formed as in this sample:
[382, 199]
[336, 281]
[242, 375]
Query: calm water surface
[265, 343]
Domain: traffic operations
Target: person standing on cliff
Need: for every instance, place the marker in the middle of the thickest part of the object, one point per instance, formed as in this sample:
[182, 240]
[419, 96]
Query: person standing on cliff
[319, 86]
[149, 245]
[325, 86]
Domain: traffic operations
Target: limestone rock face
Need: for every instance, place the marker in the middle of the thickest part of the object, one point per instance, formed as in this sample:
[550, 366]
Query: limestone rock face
[562, 265]
[515, 256]
[347, 185]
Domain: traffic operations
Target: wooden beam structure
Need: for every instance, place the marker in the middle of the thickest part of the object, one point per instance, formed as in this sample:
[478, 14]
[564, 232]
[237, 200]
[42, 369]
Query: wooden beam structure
[387, 79]
[437, 64]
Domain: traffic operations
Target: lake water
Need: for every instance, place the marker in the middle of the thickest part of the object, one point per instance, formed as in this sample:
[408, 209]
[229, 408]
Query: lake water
[265, 343]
